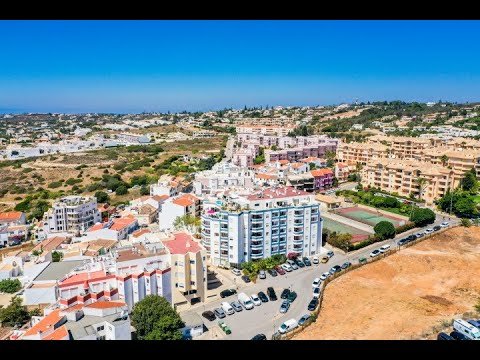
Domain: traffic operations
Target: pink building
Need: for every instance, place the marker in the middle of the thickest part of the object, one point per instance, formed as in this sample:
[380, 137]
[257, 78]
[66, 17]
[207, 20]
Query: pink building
[323, 178]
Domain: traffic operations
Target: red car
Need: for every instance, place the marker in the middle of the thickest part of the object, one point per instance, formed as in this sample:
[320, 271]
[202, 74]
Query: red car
[280, 270]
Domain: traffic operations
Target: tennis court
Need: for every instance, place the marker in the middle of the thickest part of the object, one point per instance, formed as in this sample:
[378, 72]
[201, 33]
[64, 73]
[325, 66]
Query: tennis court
[335, 226]
[369, 217]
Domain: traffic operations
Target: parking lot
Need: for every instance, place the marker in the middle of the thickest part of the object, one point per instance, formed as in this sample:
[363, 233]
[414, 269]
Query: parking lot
[266, 318]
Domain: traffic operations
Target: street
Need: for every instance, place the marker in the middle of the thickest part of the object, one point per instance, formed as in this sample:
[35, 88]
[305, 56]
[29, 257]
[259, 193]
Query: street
[266, 318]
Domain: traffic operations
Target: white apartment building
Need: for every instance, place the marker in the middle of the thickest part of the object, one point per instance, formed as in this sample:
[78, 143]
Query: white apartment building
[222, 175]
[260, 224]
[185, 204]
[71, 214]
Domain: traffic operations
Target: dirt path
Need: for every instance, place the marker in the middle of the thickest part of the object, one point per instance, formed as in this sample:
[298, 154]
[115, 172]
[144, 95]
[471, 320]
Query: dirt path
[405, 295]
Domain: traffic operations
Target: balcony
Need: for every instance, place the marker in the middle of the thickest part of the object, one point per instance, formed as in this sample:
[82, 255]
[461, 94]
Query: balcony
[298, 222]
[256, 246]
[257, 217]
[298, 230]
[283, 213]
[256, 256]
[224, 245]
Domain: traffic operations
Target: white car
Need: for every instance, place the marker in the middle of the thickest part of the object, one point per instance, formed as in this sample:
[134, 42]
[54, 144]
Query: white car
[315, 260]
[236, 272]
[316, 293]
[428, 231]
[385, 248]
[324, 276]
[286, 267]
[316, 283]
[256, 300]
[375, 253]
[444, 224]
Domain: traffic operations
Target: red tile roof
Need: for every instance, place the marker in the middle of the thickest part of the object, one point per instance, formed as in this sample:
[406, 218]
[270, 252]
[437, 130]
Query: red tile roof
[185, 200]
[122, 223]
[83, 277]
[47, 322]
[182, 243]
[97, 226]
[321, 172]
[140, 232]
[105, 304]
[50, 244]
[160, 197]
[10, 216]
[266, 176]
[60, 333]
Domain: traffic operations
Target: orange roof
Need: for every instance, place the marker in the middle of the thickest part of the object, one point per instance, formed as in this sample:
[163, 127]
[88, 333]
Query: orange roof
[122, 223]
[283, 162]
[160, 197]
[10, 216]
[83, 277]
[97, 226]
[321, 172]
[140, 232]
[185, 200]
[297, 165]
[105, 304]
[342, 165]
[50, 244]
[266, 176]
[48, 321]
[182, 243]
[59, 334]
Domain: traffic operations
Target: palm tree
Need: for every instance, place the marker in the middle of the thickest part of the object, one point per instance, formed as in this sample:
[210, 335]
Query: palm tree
[444, 159]
[422, 184]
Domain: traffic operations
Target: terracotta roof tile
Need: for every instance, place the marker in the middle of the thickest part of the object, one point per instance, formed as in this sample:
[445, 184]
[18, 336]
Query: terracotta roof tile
[182, 243]
[47, 322]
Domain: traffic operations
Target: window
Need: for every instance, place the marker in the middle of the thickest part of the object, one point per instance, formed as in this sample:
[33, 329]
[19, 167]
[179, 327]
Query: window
[101, 337]
[192, 283]
[100, 328]
[192, 261]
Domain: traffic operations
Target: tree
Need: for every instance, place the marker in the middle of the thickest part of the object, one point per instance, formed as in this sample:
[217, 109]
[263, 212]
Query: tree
[465, 222]
[10, 286]
[57, 256]
[422, 217]
[330, 156]
[144, 190]
[102, 197]
[153, 315]
[422, 183]
[188, 222]
[341, 241]
[444, 159]
[384, 230]
[121, 190]
[260, 158]
[469, 182]
[465, 206]
[14, 314]
[312, 166]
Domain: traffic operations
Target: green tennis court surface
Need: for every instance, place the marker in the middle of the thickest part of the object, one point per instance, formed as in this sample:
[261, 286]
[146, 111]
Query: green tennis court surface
[335, 226]
[369, 217]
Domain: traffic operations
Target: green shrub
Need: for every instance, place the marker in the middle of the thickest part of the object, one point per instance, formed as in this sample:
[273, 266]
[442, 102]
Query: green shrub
[10, 286]
[55, 184]
[384, 230]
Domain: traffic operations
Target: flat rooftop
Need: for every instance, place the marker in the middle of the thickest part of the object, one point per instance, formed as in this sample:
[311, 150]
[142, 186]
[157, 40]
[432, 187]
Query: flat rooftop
[57, 270]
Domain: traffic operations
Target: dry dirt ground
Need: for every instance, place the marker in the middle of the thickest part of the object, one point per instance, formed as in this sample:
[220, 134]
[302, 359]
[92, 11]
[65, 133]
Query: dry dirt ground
[412, 294]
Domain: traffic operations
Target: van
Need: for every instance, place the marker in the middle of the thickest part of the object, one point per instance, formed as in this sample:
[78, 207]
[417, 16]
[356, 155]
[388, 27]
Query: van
[464, 328]
[385, 248]
[246, 301]
[287, 326]
[227, 308]
[443, 336]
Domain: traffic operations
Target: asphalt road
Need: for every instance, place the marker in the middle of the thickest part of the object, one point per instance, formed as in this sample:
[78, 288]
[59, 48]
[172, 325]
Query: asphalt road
[267, 318]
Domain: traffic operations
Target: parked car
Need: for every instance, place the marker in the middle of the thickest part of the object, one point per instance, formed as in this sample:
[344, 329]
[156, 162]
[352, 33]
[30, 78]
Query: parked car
[236, 272]
[375, 253]
[307, 262]
[294, 266]
[272, 272]
[402, 241]
[285, 293]
[285, 306]
[219, 313]
[315, 260]
[287, 267]
[419, 235]
[256, 301]
[324, 276]
[227, 292]
[335, 269]
[299, 263]
[436, 227]
[287, 326]
[262, 296]
[325, 259]
[346, 265]
[262, 274]
[443, 336]
[303, 319]
[411, 238]
[330, 253]
[209, 315]
[271, 294]
[475, 323]
[224, 327]
[236, 306]
[228, 308]
[362, 260]
[444, 224]
[457, 336]
[292, 296]
[279, 270]
[312, 305]
[316, 283]
[259, 337]
[316, 293]
[385, 248]
[428, 231]
[246, 278]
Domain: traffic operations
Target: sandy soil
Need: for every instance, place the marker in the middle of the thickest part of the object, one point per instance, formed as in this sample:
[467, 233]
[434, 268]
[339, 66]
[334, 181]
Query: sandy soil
[412, 294]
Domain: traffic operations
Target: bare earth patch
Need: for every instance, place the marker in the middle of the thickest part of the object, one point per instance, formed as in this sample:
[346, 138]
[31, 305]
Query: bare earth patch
[405, 295]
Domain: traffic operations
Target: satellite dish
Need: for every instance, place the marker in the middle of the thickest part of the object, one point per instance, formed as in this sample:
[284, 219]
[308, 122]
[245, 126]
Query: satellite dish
[14, 263]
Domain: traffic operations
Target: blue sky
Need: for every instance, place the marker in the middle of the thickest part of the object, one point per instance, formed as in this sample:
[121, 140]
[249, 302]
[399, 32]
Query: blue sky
[134, 66]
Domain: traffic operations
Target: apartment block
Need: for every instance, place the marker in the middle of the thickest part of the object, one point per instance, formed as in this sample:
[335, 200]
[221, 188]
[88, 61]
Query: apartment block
[299, 153]
[222, 176]
[361, 152]
[400, 176]
[184, 204]
[72, 214]
[256, 225]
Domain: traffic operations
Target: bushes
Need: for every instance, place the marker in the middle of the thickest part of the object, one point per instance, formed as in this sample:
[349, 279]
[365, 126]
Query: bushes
[55, 184]
[422, 217]
[465, 222]
[121, 190]
[73, 181]
[251, 268]
[406, 227]
[10, 286]
[384, 230]
[102, 197]
[341, 241]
